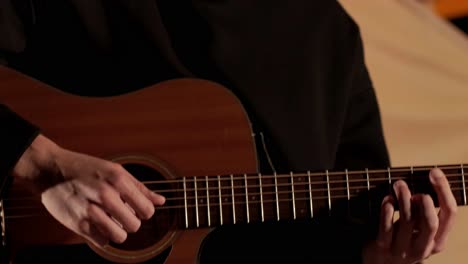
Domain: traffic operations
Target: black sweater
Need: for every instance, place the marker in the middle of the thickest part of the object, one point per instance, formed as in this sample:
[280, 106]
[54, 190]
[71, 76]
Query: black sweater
[297, 66]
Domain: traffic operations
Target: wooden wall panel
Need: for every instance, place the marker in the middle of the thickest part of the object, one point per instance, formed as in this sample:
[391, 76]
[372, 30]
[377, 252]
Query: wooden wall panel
[419, 65]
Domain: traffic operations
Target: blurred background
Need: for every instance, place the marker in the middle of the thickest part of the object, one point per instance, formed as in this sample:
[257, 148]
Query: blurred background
[417, 55]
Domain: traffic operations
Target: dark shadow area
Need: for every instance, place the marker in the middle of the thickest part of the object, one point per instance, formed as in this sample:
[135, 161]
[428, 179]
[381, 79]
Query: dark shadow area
[461, 23]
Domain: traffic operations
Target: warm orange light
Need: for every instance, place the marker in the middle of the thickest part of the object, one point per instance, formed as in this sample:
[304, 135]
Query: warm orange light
[451, 8]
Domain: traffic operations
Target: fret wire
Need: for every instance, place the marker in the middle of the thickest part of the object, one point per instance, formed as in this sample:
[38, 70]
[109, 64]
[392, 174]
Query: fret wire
[368, 183]
[277, 200]
[368, 193]
[220, 201]
[293, 196]
[412, 180]
[185, 202]
[328, 189]
[246, 198]
[463, 184]
[196, 200]
[233, 200]
[261, 196]
[347, 184]
[208, 200]
[310, 196]
[389, 181]
[389, 177]
[2, 224]
[348, 193]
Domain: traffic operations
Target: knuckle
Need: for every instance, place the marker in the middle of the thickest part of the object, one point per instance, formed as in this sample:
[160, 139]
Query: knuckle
[140, 186]
[116, 175]
[101, 186]
[452, 211]
[84, 227]
[432, 224]
[93, 211]
[106, 195]
[116, 167]
[438, 248]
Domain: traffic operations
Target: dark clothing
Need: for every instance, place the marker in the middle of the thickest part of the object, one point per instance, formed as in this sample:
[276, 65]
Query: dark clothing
[297, 66]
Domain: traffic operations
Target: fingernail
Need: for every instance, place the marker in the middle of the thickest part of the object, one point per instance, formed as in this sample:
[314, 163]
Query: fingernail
[161, 198]
[436, 173]
[386, 199]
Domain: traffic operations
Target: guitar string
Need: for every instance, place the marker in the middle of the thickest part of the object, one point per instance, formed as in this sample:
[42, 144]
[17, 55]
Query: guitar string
[411, 170]
[202, 180]
[242, 195]
[318, 174]
[389, 170]
[216, 205]
[9, 208]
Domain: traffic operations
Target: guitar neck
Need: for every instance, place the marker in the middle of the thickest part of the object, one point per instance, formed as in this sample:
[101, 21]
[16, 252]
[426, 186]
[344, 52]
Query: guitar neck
[209, 201]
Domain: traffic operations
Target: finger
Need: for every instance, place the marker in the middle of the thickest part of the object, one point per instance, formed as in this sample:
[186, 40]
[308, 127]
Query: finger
[105, 224]
[131, 194]
[92, 234]
[109, 199]
[155, 198]
[402, 236]
[426, 223]
[384, 238]
[121, 212]
[448, 207]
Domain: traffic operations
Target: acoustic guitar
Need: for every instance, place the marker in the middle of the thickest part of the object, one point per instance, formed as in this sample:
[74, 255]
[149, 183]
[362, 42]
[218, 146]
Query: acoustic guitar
[190, 140]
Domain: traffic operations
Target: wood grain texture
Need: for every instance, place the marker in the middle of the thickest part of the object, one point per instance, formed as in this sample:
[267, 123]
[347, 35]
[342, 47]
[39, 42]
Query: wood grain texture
[190, 127]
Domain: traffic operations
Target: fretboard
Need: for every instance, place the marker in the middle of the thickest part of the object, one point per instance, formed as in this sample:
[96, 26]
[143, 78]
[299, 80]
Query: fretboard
[209, 201]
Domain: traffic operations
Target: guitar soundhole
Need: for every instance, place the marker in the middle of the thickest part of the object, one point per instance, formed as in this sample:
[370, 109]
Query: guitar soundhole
[153, 230]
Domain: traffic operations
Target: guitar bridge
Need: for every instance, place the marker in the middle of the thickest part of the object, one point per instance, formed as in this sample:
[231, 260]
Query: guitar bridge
[2, 224]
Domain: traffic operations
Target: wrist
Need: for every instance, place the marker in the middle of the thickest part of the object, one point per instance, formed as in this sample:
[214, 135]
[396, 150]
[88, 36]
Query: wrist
[38, 159]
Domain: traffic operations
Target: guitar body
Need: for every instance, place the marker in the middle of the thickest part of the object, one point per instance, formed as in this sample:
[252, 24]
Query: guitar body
[177, 128]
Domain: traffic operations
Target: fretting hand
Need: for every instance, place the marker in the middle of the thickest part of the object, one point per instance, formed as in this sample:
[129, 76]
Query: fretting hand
[97, 199]
[420, 231]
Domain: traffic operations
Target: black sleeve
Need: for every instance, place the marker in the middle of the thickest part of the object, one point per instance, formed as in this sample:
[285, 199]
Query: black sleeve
[363, 145]
[16, 134]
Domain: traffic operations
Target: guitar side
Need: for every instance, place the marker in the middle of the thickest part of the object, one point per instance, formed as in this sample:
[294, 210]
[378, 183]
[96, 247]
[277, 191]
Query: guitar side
[180, 128]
